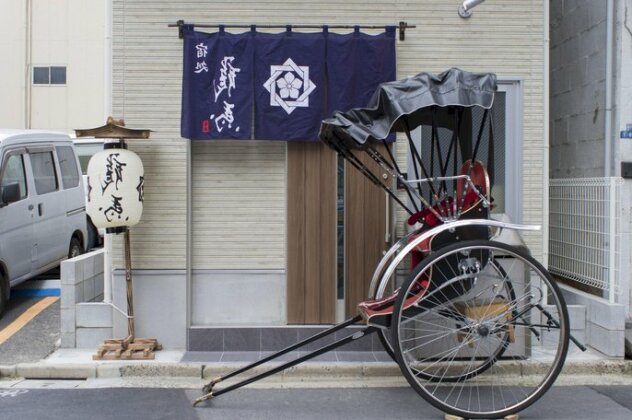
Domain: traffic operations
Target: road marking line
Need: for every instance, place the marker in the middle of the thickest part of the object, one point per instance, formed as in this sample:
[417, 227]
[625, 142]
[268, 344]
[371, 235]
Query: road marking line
[13, 392]
[26, 317]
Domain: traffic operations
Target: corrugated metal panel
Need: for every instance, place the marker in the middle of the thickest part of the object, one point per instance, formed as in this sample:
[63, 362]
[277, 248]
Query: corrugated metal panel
[504, 36]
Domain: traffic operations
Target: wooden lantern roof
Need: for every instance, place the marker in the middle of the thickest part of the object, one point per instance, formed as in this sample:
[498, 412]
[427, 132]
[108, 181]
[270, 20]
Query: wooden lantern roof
[113, 129]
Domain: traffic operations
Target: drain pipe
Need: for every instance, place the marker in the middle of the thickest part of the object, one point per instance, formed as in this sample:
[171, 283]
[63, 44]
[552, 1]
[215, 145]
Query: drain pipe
[545, 134]
[608, 146]
[28, 60]
[107, 110]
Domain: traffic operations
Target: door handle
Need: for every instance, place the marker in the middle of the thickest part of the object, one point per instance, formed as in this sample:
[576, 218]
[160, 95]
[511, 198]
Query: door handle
[40, 208]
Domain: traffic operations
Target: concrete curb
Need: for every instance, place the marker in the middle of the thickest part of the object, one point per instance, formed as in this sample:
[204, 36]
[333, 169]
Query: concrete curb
[313, 370]
[58, 371]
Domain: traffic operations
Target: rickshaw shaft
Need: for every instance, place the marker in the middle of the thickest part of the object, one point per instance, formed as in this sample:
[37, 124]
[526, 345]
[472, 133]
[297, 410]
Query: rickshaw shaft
[352, 337]
[289, 349]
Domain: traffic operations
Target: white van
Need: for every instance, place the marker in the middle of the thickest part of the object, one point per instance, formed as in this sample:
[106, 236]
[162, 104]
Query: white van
[85, 148]
[42, 205]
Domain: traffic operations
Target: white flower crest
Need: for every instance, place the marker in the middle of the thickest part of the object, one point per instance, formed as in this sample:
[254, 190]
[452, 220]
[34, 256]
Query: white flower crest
[289, 86]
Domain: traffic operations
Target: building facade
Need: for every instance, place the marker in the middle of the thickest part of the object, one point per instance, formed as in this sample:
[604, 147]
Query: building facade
[55, 72]
[217, 246]
[590, 152]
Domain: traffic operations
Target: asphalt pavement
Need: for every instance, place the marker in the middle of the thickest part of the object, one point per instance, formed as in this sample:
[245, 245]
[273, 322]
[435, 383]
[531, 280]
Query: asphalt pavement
[78, 388]
[37, 339]
[581, 402]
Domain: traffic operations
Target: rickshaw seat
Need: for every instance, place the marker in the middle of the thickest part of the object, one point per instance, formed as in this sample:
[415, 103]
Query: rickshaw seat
[480, 179]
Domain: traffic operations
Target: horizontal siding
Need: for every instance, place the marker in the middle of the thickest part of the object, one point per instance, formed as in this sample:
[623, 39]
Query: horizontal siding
[503, 36]
[238, 205]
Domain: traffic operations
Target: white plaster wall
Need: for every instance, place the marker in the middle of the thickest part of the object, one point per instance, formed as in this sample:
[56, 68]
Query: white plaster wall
[159, 306]
[233, 297]
[12, 64]
[67, 33]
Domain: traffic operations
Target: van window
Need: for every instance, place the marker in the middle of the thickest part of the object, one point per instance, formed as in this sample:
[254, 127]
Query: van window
[14, 173]
[68, 166]
[85, 151]
[44, 172]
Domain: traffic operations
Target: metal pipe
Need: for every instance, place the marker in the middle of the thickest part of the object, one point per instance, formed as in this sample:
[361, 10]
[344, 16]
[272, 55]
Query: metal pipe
[107, 111]
[470, 4]
[465, 9]
[612, 234]
[402, 26]
[189, 238]
[608, 86]
[28, 58]
[546, 138]
[243, 26]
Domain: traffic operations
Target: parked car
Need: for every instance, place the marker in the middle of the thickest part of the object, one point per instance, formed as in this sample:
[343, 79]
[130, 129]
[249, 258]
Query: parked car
[42, 205]
[85, 148]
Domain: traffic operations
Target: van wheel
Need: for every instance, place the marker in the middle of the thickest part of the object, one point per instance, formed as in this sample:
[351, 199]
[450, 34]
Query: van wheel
[4, 288]
[93, 235]
[75, 248]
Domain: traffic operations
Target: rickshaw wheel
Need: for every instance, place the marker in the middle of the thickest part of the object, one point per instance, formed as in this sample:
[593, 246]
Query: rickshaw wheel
[385, 336]
[487, 337]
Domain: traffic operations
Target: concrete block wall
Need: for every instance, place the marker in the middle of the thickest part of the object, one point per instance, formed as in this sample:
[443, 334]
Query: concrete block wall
[577, 317]
[577, 86]
[85, 321]
[604, 322]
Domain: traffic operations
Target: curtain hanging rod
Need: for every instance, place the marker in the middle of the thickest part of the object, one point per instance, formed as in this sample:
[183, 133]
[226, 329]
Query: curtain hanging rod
[402, 26]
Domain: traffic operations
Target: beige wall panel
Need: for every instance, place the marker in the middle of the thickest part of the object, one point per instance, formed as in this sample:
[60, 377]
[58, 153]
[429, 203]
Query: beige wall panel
[159, 240]
[69, 33]
[503, 36]
[13, 64]
[66, 33]
[238, 205]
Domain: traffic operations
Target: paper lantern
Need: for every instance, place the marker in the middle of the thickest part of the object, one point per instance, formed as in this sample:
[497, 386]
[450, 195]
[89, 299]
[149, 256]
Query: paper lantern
[115, 188]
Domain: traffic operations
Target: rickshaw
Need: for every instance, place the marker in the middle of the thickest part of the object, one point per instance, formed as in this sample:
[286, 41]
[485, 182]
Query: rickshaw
[478, 327]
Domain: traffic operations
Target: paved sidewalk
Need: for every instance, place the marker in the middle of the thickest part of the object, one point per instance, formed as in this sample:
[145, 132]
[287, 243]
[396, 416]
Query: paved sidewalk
[192, 369]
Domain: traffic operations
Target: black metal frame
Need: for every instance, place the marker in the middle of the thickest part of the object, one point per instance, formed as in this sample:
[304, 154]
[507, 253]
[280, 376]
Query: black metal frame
[208, 388]
[402, 26]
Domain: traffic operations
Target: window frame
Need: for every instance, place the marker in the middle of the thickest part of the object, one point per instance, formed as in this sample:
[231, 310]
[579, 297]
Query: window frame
[50, 78]
[21, 153]
[50, 150]
[513, 147]
[60, 159]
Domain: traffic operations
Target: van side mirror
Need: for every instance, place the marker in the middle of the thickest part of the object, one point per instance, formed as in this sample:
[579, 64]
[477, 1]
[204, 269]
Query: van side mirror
[10, 194]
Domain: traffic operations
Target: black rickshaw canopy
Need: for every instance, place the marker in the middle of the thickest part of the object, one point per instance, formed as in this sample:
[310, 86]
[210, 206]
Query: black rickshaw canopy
[402, 105]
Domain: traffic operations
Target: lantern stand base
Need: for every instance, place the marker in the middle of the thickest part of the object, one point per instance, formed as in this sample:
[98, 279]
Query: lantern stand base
[127, 349]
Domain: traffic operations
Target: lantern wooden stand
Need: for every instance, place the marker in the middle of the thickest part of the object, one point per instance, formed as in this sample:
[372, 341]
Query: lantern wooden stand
[129, 347]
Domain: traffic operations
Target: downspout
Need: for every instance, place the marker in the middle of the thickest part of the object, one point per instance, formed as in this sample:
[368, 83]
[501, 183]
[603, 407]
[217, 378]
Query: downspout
[28, 61]
[608, 105]
[107, 111]
[545, 135]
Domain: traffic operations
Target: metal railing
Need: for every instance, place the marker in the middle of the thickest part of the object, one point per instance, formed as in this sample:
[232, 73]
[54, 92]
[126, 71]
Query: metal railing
[584, 226]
